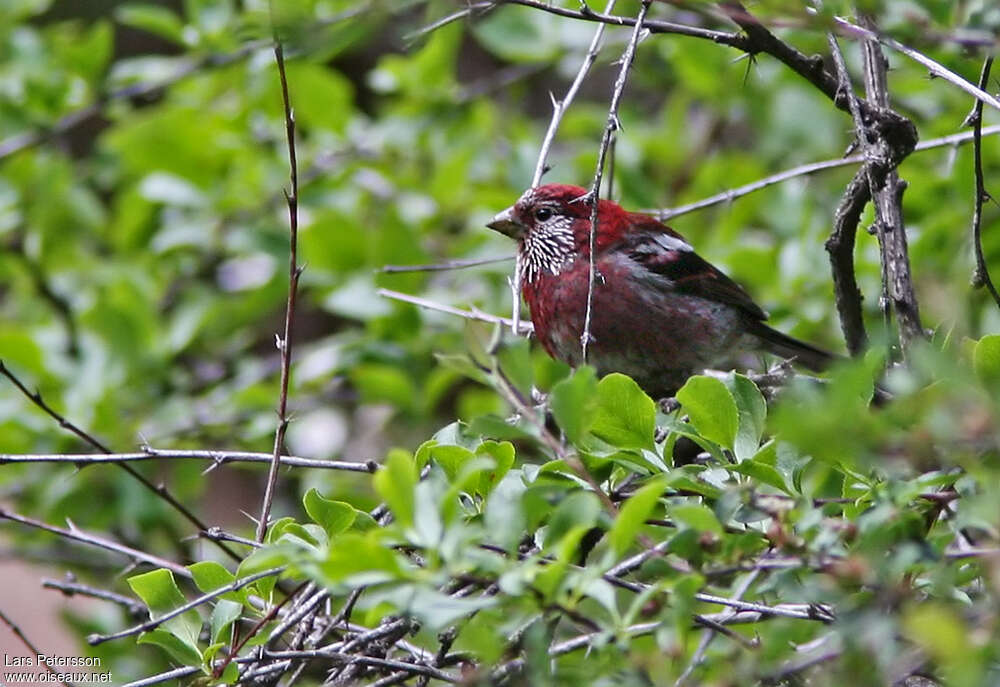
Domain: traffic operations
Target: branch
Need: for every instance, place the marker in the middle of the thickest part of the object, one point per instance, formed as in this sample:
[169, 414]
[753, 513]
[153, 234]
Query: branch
[160, 490]
[443, 266]
[347, 658]
[70, 587]
[294, 271]
[31, 647]
[75, 534]
[217, 457]
[523, 328]
[981, 274]
[559, 107]
[937, 69]
[840, 246]
[96, 639]
[734, 40]
[730, 195]
[887, 195]
[708, 634]
[594, 195]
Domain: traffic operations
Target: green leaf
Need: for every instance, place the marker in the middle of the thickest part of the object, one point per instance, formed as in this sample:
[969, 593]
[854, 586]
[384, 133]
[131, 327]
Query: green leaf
[158, 21]
[224, 615]
[986, 358]
[182, 652]
[573, 403]
[752, 411]
[160, 593]
[762, 473]
[519, 36]
[451, 459]
[395, 482]
[502, 453]
[697, 517]
[210, 575]
[334, 516]
[360, 559]
[633, 514]
[626, 416]
[711, 408]
[579, 509]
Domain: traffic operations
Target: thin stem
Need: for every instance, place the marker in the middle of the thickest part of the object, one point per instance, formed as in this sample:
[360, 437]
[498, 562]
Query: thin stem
[559, 107]
[935, 68]
[294, 271]
[443, 266]
[72, 588]
[78, 535]
[216, 457]
[522, 327]
[981, 275]
[594, 195]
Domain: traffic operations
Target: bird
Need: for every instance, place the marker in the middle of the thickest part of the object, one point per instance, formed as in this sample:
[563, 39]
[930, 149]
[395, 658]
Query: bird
[660, 313]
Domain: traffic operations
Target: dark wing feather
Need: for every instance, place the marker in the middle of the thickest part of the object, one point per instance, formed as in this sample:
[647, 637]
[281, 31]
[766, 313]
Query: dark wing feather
[664, 252]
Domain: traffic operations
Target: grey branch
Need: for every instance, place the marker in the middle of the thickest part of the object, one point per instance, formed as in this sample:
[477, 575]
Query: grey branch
[594, 195]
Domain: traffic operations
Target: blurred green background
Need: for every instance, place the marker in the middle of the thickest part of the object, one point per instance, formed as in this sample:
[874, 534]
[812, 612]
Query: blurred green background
[143, 248]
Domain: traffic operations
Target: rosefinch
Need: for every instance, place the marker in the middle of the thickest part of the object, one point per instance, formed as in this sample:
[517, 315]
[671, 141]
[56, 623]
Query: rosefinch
[659, 314]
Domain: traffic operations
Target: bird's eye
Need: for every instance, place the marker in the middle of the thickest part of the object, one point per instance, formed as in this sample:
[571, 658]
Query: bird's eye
[543, 214]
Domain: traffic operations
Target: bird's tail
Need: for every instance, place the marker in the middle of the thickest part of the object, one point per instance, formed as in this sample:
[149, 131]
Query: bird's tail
[816, 359]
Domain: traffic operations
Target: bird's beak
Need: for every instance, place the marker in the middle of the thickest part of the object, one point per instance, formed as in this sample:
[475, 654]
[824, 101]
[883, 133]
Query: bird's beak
[505, 223]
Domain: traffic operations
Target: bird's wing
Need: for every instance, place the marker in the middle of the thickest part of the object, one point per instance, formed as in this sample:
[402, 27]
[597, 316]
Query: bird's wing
[664, 252]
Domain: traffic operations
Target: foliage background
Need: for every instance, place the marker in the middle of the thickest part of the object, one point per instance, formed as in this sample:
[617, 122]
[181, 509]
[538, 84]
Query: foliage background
[142, 280]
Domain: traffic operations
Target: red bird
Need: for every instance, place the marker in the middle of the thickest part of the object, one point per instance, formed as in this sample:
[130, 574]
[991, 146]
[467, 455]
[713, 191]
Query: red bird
[660, 313]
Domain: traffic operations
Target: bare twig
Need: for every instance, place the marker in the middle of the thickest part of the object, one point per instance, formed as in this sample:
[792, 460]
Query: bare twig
[75, 534]
[31, 647]
[652, 25]
[524, 327]
[594, 195]
[350, 658]
[96, 639]
[872, 36]
[471, 10]
[160, 489]
[294, 271]
[709, 632]
[217, 457]
[175, 674]
[981, 274]
[70, 587]
[730, 195]
[443, 266]
[559, 107]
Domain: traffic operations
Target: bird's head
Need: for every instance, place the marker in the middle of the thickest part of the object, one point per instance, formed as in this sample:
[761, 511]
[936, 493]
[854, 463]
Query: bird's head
[551, 224]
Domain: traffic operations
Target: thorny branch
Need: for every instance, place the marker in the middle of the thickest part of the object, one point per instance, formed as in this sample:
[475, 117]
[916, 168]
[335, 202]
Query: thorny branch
[216, 457]
[284, 343]
[78, 535]
[887, 195]
[981, 274]
[594, 195]
[160, 490]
